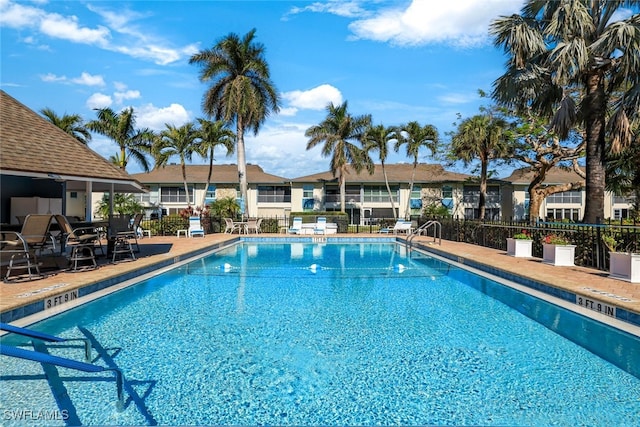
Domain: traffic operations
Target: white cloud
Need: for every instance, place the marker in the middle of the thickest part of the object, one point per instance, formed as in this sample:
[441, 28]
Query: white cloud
[314, 99]
[348, 9]
[127, 94]
[85, 79]
[18, 16]
[120, 35]
[154, 118]
[99, 100]
[461, 23]
[89, 80]
[50, 77]
[67, 28]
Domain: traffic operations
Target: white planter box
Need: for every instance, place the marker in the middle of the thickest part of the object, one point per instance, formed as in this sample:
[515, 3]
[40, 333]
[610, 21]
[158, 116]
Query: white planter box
[519, 248]
[624, 266]
[561, 255]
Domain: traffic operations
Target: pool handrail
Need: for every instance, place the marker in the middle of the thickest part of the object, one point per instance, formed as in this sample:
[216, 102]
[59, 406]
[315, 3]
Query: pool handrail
[46, 337]
[7, 350]
[437, 232]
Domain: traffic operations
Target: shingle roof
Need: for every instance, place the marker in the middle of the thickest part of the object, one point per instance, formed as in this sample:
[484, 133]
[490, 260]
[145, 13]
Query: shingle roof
[30, 145]
[222, 174]
[396, 173]
[553, 176]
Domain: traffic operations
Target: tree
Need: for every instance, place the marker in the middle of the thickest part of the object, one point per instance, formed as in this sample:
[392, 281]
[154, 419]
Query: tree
[377, 138]
[70, 124]
[177, 141]
[134, 143]
[241, 89]
[123, 204]
[623, 172]
[569, 61]
[534, 144]
[340, 132]
[212, 135]
[483, 137]
[414, 137]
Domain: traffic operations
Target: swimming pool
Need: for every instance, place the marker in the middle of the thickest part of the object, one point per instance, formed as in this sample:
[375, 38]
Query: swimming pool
[326, 334]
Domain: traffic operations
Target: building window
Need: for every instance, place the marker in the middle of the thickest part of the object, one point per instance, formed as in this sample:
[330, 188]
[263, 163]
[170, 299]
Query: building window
[492, 214]
[379, 194]
[621, 214]
[332, 194]
[572, 214]
[274, 194]
[308, 201]
[566, 197]
[73, 194]
[471, 194]
[210, 196]
[174, 195]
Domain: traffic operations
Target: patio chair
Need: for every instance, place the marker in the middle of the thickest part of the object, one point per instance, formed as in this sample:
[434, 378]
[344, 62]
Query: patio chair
[195, 227]
[229, 226]
[296, 227]
[82, 242]
[121, 228]
[321, 226]
[253, 225]
[21, 257]
[35, 231]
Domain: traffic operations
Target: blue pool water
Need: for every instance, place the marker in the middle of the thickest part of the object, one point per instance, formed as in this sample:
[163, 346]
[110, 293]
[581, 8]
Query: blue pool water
[323, 334]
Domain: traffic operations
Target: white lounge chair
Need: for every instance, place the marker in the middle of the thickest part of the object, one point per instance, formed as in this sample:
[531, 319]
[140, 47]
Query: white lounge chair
[195, 227]
[296, 227]
[401, 226]
[321, 226]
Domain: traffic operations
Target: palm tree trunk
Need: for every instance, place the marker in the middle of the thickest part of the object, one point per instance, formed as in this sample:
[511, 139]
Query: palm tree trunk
[407, 210]
[595, 133]
[482, 203]
[242, 167]
[386, 181]
[206, 188]
[184, 180]
[343, 192]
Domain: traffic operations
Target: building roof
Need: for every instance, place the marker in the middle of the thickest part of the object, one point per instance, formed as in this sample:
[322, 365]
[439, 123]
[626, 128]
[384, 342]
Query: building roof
[396, 173]
[31, 146]
[554, 176]
[222, 174]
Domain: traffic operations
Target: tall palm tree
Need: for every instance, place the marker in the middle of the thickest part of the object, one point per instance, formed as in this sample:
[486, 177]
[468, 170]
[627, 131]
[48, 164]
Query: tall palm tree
[481, 137]
[414, 137]
[72, 124]
[241, 89]
[339, 132]
[121, 127]
[377, 138]
[569, 61]
[212, 135]
[181, 142]
[623, 171]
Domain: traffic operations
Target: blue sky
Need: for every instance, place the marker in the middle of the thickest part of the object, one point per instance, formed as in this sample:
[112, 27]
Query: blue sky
[399, 61]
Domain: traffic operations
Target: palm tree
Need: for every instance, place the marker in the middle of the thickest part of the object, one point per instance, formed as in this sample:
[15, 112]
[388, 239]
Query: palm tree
[134, 143]
[241, 89]
[339, 131]
[570, 62]
[212, 135]
[623, 172]
[481, 137]
[71, 124]
[177, 141]
[413, 136]
[378, 138]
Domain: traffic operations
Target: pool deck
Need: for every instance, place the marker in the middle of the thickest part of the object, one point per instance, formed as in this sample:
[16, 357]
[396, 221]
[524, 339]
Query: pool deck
[20, 299]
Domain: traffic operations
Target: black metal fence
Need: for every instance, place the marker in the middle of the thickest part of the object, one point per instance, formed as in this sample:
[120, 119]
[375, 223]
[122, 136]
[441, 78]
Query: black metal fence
[590, 248]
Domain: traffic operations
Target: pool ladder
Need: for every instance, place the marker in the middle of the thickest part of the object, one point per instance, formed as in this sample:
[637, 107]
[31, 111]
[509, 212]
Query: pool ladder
[424, 229]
